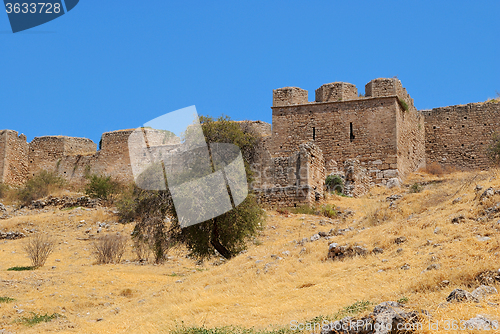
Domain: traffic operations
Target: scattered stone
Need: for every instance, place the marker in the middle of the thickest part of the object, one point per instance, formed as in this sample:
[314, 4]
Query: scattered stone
[436, 230]
[481, 238]
[315, 237]
[336, 252]
[405, 266]
[444, 283]
[478, 187]
[483, 291]
[458, 219]
[377, 250]
[65, 202]
[456, 200]
[400, 240]
[399, 250]
[322, 234]
[393, 198]
[482, 322]
[459, 295]
[434, 266]
[386, 318]
[393, 182]
[487, 194]
[12, 235]
[2, 207]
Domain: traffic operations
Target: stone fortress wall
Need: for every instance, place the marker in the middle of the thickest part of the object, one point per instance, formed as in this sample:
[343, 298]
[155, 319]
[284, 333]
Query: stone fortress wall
[374, 139]
[378, 130]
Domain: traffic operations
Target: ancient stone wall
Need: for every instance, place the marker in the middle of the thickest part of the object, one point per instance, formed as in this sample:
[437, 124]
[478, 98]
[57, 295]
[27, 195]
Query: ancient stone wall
[289, 96]
[411, 140]
[287, 181]
[363, 129]
[13, 158]
[459, 135]
[51, 152]
[336, 91]
[357, 178]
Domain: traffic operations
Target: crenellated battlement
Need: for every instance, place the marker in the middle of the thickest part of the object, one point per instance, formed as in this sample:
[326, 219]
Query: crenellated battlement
[336, 91]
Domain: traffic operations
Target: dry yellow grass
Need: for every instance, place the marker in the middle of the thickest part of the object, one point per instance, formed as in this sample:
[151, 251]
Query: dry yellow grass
[255, 289]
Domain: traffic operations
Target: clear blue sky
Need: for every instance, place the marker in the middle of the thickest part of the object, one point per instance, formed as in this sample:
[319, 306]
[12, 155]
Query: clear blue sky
[109, 65]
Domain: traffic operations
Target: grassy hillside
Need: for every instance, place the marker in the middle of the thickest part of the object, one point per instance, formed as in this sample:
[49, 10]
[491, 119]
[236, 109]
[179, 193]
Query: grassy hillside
[279, 279]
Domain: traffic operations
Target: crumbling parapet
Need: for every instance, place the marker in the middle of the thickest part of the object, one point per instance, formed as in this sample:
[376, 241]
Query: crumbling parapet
[288, 96]
[336, 91]
[381, 87]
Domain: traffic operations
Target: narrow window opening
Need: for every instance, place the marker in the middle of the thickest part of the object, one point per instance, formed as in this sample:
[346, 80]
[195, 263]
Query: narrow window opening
[465, 117]
[314, 133]
[351, 133]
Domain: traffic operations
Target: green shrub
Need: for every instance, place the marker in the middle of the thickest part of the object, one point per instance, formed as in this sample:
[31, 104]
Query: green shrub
[334, 183]
[6, 299]
[102, 187]
[403, 104]
[40, 185]
[416, 188]
[303, 209]
[21, 268]
[329, 211]
[403, 300]
[37, 318]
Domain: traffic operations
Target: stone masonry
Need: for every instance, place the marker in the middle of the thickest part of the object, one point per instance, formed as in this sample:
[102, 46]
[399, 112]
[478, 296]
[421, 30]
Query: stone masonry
[370, 140]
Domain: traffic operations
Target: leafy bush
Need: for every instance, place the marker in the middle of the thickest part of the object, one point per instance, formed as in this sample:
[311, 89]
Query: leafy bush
[102, 187]
[334, 183]
[416, 188]
[329, 211]
[39, 247]
[109, 248]
[6, 299]
[40, 186]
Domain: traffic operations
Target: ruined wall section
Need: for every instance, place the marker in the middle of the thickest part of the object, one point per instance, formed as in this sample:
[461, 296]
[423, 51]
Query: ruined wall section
[113, 158]
[381, 87]
[363, 129]
[59, 154]
[459, 135]
[291, 180]
[288, 96]
[336, 91]
[13, 158]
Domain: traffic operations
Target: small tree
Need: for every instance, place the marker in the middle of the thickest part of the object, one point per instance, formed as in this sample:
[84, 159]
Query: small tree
[157, 224]
[334, 183]
[39, 246]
